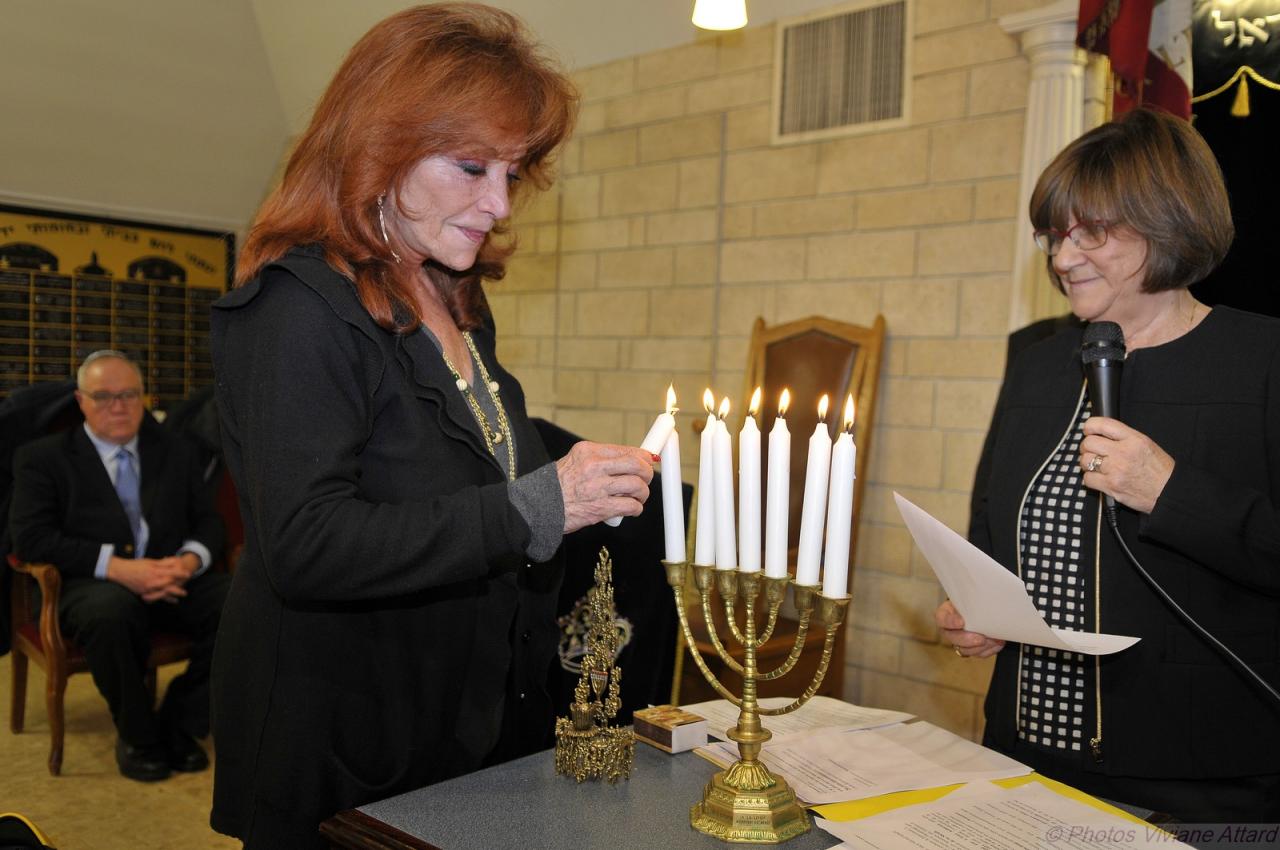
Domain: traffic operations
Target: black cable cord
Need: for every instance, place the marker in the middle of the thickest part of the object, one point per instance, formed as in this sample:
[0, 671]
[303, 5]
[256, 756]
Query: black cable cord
[1187, 618]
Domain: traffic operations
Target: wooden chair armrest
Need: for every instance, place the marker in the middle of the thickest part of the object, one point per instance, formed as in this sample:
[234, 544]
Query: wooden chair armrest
[50, 582]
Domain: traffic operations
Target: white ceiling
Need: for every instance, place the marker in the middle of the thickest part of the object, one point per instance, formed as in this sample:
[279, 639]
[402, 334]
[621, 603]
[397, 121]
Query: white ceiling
[178, 111]
[304, 53]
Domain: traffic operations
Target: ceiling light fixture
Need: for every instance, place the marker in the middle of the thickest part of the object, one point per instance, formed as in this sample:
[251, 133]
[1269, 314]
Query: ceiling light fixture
[720, 14]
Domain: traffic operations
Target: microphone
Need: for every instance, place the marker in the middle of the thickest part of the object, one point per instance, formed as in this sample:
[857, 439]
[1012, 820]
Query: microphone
[1102, 355]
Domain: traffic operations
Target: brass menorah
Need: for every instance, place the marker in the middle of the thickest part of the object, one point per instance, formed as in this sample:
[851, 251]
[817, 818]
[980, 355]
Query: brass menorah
[746, 803]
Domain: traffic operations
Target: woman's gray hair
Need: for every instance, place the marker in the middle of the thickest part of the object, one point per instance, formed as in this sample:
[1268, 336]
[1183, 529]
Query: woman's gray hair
[105, 354]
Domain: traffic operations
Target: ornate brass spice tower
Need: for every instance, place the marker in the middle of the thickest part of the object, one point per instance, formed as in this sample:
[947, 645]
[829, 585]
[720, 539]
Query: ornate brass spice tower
[587, 747]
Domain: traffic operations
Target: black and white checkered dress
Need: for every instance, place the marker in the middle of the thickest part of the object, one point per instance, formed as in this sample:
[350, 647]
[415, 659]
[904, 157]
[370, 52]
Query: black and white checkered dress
[1055, 687]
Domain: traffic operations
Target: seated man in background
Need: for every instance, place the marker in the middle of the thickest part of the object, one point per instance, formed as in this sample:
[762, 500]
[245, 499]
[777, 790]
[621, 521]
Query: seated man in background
[121, 509]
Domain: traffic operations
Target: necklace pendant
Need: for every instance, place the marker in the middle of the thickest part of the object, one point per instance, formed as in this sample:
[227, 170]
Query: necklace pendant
[462, 385]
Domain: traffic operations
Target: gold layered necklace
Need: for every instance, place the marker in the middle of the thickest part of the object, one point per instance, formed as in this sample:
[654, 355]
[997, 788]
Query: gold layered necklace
[492, 437]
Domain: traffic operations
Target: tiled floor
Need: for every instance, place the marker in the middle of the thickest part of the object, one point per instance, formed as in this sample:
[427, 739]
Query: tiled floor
[90, 806]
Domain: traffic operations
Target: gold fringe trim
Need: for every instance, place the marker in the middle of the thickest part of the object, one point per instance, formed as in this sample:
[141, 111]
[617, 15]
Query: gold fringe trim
[1240, 107]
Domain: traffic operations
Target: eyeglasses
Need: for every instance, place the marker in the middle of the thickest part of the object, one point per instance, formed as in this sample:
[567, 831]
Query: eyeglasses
[102, 398]
[1086, 235]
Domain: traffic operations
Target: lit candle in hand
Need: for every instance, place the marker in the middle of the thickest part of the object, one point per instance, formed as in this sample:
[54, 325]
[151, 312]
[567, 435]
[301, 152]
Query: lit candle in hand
[749, 489]
[662, 427]
[815, 500]
[672, 497]
[835, 562]
[726, 546]
[656, 440]
[704, 547]
[778, 496]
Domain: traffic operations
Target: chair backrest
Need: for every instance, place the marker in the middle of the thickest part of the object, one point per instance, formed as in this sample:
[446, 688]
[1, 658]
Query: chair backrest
[810, 357]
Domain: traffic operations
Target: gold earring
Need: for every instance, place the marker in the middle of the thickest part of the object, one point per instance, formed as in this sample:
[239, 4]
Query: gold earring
[382, 223]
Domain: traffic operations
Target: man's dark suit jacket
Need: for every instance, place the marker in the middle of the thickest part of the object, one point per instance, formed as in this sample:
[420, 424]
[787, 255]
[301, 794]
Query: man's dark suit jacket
[65, 507]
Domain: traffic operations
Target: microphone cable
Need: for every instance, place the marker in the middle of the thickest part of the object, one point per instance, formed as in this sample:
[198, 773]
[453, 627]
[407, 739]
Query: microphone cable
[1103, 354]
[1235, 660]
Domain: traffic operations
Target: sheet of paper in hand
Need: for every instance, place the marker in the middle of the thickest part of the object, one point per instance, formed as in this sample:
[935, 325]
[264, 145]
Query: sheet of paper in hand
[992, 600]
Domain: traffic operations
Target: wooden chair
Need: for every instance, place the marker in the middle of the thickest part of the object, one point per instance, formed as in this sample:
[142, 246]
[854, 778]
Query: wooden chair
[810, 357]
[40, 639]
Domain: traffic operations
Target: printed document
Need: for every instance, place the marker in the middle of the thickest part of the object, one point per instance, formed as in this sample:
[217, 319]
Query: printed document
[831, 767]
[992, 600]
[982, 816]
[818, 713]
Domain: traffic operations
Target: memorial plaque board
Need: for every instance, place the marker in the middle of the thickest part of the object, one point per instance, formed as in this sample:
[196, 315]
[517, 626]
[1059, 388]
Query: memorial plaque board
[72, 284]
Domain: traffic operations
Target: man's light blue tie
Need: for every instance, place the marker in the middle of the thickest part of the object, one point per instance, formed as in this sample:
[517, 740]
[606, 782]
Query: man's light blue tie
[127, 490]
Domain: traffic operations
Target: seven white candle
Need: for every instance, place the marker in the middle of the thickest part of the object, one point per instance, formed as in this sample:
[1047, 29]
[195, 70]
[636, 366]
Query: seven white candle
[726, 546]
[656, 440]
[749, 490]
[815, 501]
[672, 497]
[778, 495]
[835, 562]
[704, 547]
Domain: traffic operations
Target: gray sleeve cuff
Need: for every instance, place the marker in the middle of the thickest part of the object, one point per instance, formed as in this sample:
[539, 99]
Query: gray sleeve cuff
[537, 498]
[104, 558]
[195, 547]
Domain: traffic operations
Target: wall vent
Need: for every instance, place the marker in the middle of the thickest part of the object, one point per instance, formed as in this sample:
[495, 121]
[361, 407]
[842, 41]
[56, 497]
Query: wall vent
[842, 72]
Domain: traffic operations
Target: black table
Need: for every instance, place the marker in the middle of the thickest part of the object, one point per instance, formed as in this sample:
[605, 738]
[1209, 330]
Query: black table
[525, 804]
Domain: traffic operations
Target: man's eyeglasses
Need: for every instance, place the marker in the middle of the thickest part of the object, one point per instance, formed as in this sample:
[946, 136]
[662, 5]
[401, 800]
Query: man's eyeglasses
[102, 398]
[1087, 236]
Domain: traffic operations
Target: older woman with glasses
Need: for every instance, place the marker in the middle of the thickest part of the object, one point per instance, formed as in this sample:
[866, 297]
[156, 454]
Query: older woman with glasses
[1129, 216]
[392, 620]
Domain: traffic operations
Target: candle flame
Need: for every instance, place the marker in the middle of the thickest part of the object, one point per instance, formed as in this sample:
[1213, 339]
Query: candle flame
[708, 401]
[724, 407]
[848, 413]
[754, 407]
[784, 402]
[823, 403]
[671, 398]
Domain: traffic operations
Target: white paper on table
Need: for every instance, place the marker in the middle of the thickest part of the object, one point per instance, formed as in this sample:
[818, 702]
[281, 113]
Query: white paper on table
[995, 818]
[992, 600]
[832, 767]
[818, 713]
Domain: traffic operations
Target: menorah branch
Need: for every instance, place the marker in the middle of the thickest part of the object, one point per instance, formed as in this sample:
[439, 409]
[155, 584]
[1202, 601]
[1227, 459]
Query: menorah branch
[697, 655]
[721, 651]
[797, 649]
[775, 591]
[769, 626]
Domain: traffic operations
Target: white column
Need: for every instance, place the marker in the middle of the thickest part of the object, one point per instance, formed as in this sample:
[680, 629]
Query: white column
[1055, 116]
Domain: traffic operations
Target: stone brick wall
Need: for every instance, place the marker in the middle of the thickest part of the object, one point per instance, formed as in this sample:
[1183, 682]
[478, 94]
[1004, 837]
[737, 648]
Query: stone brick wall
[675, 224]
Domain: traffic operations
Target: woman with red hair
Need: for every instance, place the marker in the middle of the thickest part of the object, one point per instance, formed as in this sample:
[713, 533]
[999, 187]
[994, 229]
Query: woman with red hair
[391, 620]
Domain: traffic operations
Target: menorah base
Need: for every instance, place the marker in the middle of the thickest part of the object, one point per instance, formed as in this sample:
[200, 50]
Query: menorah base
[764, 812]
